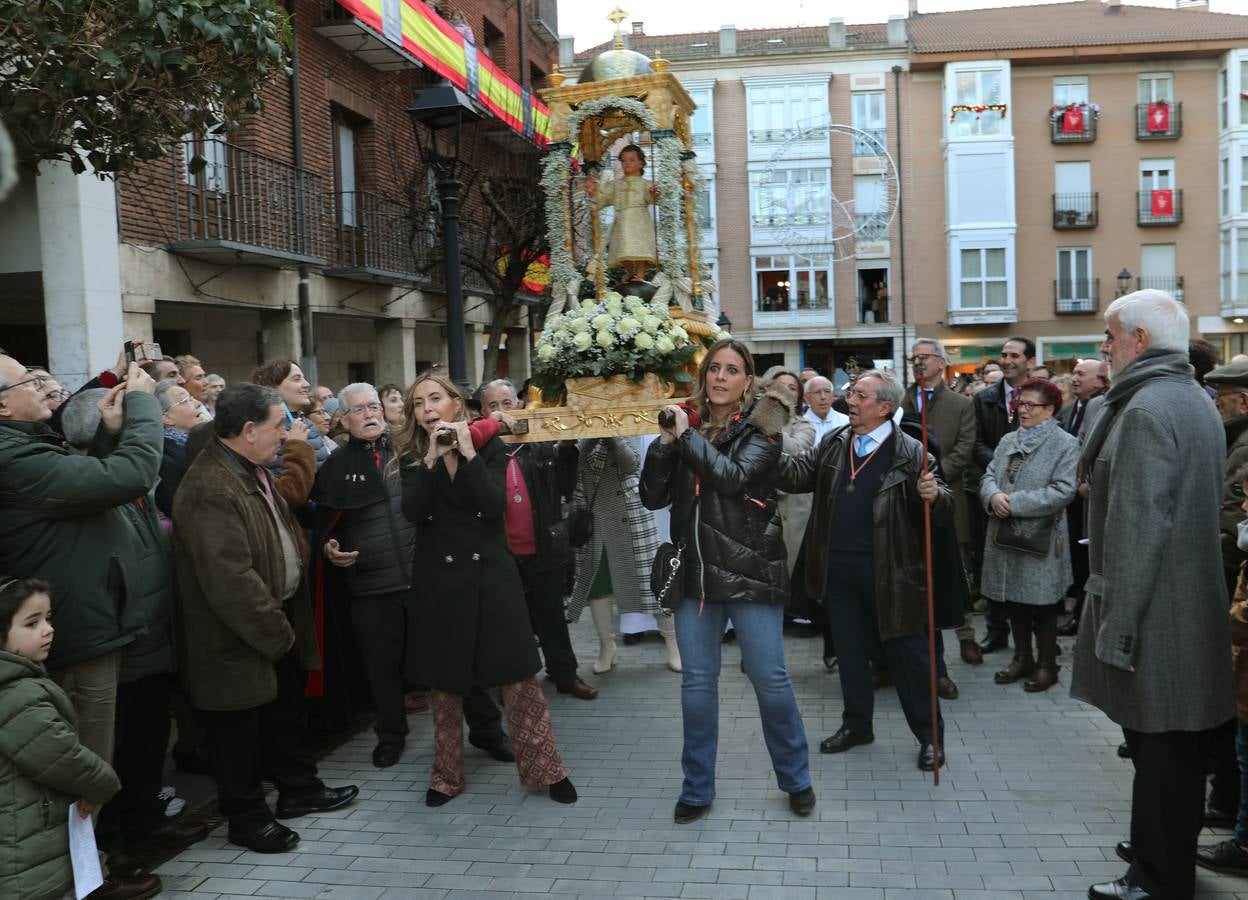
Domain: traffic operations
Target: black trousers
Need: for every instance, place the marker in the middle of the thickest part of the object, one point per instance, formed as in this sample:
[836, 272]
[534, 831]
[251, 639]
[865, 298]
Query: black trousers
[141, 736]
[484, 718]
[850, 607]
[543, 592]
[1222, 762]
[379, 622]
[247, 745]
[1167, 806]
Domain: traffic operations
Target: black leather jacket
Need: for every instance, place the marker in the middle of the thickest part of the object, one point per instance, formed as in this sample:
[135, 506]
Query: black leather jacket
[723, 498]
[992, 422]
[898, 558]
[549, 472]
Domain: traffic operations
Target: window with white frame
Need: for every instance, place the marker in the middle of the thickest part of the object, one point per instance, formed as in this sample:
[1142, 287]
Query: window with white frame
[1241, 265]
[785, 283]
[700, 125]
[1243, 92]
[1225, 254]
[703, 207]
[1076, 290]
[983, 280]
[1243, 186]
[978, 88]
[1155, 175]
[1068, 89]
[778, 111]
[1223, 90]
[868, 112]
[1156, 86]
[209, 146]
[782, 197]
[1224, 186]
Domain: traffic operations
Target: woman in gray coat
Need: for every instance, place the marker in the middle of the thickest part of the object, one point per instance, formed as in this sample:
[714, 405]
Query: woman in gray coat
[1028, 485]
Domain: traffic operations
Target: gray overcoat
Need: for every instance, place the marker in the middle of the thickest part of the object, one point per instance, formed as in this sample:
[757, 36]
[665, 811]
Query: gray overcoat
[1043, 488]
[1154, 645]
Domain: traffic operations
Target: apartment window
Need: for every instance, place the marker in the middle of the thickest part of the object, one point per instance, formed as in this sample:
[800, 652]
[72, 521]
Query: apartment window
[1241, 265]
[493, 42]
[1224, 186]
[1243, 186]
[1225, 254]
[978, 87]
[346, 168]
[870, 208]
[1069, 89]
[778, 111]
[790, 197]
[209, 146]
[703, 209]
[1156, 86]
[868, 111]
[1157, 268]
[1075, 289]
[1243, 92]
[700, 125]
[784, 283]
[1222, 98]
[1155, 175]
[983, 279]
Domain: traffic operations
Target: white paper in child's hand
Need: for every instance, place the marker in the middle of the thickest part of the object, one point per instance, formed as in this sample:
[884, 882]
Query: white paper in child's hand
[83, 854]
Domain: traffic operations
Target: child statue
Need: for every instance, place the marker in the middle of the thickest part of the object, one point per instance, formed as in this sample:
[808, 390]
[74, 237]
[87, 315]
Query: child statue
[630, 244]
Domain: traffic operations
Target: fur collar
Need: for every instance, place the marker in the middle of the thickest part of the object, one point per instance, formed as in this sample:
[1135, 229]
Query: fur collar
[772, 411]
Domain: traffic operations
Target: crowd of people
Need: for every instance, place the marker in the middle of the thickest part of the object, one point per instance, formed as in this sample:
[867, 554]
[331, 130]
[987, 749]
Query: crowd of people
[260, 562]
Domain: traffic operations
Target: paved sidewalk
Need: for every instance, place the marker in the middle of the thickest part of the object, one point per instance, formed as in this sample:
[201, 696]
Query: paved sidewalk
[1030, 805]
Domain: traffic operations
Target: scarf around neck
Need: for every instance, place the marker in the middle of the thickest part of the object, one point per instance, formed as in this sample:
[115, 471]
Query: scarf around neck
[1150, 366]
[1031, 438]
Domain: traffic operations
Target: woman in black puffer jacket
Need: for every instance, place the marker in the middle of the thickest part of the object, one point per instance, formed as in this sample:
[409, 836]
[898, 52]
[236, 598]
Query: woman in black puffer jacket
[717, 467]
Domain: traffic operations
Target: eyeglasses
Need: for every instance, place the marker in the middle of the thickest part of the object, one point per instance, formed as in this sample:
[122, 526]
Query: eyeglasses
[61, 394]
[38, 381]
[187, 399]
[922, 358]
[1029, 406]
[364, 407]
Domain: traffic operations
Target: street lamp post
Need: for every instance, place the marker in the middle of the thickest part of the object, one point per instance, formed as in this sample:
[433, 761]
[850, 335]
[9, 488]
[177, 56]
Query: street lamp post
[442, 111]
[1124, 282]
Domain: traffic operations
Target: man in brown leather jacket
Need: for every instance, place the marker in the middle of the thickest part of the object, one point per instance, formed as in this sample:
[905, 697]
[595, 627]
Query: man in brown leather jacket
[876, 599]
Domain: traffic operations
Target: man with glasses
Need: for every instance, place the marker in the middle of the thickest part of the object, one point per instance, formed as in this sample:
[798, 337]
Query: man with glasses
[951, 422]
[819, 412]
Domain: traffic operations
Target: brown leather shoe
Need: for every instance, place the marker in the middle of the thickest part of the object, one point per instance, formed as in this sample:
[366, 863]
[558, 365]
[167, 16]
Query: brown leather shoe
[971, 654]
[137, 887]
[946, 689]
[1019, 667]
[1043, 679]
[577, 688]
[174, 834]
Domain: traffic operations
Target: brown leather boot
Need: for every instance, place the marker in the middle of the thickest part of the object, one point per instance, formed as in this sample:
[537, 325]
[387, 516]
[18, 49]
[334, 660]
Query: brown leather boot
[1023, 663]
[1046, 670]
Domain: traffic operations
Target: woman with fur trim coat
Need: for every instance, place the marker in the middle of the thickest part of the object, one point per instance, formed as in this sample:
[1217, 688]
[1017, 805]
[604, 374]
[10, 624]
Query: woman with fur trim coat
[717, 465]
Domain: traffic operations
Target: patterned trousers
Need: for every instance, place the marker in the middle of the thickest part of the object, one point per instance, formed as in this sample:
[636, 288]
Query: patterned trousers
[532, 738]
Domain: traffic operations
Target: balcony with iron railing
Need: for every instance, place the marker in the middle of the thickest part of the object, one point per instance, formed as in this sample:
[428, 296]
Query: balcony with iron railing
[870, 227]
[244, 206]
[1159, 210]
[1071, 211]
[1076, 295]
[1074, 124]
[1171, 284]
[781, 135]
[375, 240]
[1158, 121]
[870, 142]
[787, 220]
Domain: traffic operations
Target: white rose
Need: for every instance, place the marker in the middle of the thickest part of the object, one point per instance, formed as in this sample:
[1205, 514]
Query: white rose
[629, 325]
[614, 305]
[601, 321]
[651, 323]
[643, 341]
[560, 336]
[612, 295]
[580, 326]
[664, 344]
[582, 339]
[679, 334]
[554, 323]
[587, 305]
[546, 352]
[605, 340]
[632, 304]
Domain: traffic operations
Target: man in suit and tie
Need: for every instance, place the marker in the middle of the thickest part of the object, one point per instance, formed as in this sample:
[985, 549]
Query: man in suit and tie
[951, 421]
[1089, 381]
[995, 416]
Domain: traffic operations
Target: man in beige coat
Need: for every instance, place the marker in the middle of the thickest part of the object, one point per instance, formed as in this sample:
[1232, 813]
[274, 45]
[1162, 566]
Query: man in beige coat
[246, 621]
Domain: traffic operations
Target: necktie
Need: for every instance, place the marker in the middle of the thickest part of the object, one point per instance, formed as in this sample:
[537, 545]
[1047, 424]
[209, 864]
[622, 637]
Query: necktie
[1014, 392]
[927, 397]
[1077, 419]
[263, 478]
[864, 444]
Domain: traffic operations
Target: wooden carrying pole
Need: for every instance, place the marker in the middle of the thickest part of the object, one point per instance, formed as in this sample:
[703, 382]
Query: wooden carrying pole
[937, 749]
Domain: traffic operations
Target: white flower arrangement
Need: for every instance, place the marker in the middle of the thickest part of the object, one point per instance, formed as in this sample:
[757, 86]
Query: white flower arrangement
[614, 336]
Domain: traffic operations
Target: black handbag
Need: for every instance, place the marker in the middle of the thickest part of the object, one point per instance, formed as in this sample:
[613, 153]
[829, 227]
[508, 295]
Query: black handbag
[580, 524]
[665, 580]
[1030, 535]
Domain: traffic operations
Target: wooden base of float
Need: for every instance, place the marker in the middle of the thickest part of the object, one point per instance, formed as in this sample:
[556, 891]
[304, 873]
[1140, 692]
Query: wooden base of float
[596, 408]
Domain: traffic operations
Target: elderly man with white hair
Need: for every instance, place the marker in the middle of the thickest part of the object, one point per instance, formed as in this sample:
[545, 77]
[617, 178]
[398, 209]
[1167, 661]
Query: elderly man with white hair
[820, 396]
[1153, 651]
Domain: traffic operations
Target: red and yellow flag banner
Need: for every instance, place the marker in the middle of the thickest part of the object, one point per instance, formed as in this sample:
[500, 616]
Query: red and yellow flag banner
[435, 43]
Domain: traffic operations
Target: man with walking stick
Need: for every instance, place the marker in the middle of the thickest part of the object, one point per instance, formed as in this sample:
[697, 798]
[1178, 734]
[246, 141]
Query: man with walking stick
[866, 558]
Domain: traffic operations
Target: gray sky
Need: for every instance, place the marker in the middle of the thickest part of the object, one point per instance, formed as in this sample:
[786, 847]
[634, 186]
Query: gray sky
[587, 19]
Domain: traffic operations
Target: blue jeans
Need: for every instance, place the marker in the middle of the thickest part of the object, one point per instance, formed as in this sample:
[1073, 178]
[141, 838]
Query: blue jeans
[760, 634]
[1241, 753]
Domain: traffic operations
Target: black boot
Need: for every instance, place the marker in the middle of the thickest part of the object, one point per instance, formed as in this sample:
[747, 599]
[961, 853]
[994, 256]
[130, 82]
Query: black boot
[1071, 626]
[1023, 663]
[1046, 669]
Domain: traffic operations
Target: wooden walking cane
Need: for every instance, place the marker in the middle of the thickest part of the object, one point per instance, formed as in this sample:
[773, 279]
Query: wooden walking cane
[931, 605]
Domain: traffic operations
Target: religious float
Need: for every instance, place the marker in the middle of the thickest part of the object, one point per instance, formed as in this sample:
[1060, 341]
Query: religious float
[627, 325]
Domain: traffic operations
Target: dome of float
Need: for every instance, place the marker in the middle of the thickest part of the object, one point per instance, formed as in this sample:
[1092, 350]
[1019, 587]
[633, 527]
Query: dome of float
[612, 64]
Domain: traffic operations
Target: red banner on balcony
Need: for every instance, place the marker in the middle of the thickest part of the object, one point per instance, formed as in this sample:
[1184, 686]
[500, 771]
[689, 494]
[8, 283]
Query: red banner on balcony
[1163, 203]
[1158, 117]
[1072, 120]
[434, 43]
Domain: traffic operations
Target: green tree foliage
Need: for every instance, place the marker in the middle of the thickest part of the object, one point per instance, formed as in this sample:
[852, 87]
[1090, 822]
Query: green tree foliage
[119, 81]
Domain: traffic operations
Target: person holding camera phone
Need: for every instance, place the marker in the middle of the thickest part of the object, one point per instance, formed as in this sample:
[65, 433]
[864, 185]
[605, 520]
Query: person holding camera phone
[470, 624]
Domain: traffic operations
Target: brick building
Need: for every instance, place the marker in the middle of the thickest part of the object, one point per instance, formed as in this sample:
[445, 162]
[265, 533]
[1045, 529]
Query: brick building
[324, 186]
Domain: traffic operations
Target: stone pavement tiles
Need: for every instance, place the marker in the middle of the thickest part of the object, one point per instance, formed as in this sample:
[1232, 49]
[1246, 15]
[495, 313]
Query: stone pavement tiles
[1031, 805]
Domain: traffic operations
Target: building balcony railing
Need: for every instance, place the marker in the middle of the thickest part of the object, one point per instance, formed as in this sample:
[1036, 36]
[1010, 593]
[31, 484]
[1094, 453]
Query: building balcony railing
[786, 220]
[1158, 121]
[780, 135]
[870, 228]
[873, 309]
[1164, 207]
[1072, 211]
[1076, 295]
[870, 142]
[701, 138]
[1171, 284]
[375, 239]
[246, 206]
[1073, 125]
